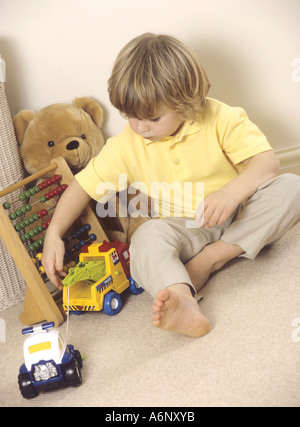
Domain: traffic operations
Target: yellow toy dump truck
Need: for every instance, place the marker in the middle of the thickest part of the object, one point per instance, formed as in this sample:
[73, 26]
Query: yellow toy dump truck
[99, 278]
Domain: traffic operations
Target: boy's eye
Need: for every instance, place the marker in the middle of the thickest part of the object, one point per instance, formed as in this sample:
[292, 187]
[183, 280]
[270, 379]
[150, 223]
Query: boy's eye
[155, 119]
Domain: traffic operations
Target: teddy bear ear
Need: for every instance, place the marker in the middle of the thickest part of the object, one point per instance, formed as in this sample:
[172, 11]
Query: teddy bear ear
[21, 121]
[91, 107]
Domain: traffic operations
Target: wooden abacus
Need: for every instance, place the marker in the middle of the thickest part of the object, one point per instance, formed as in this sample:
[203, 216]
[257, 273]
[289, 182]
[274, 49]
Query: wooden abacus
[24, 239]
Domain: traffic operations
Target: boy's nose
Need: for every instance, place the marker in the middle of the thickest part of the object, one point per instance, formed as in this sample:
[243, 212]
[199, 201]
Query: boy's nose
[142, 126]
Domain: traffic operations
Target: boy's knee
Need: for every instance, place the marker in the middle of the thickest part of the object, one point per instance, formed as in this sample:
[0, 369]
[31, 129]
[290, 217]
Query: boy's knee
[151, 236]
[144, 234]
[283, 187]
[289, 179]
[151, 230]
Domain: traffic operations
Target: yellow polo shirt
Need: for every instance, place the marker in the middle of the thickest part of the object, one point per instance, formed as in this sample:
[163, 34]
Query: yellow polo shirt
[206, 152]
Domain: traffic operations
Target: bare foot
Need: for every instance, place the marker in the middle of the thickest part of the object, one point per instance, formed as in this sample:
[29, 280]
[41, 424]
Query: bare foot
[175, 309]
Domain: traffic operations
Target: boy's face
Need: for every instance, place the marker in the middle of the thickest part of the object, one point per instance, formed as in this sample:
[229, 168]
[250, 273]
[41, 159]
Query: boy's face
[164, 124]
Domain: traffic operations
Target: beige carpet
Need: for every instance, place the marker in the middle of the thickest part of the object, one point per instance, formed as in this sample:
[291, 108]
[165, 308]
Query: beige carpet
[250, 358]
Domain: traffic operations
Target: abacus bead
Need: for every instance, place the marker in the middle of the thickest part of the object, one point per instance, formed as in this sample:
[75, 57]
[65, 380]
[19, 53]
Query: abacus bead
[27, 194]
[35, 217]
[23, 210]
[41, 241]
[18, 227]
[87, 227]
[37, 189]
[39, 256]
[77, 246]
[40, 228]
[42, 269]
[92, 237]
[6, 205]
[32, 191]
[30, 219]
[18, 212]
[13, 215]
[44, 212]
[43, 199]
[41, 186]
[28, 207]
[32, 247]
[31, 233]
[22, 197]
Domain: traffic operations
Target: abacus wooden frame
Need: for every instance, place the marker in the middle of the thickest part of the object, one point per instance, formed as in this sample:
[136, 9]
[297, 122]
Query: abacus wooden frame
[39, 304]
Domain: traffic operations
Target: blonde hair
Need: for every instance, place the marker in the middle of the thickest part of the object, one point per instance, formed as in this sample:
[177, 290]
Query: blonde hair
[154, 71]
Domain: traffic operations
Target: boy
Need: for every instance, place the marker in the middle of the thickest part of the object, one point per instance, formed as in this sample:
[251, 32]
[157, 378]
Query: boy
[176, 134]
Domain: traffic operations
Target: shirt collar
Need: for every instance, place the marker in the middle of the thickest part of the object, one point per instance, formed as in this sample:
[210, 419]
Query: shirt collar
[188, 128]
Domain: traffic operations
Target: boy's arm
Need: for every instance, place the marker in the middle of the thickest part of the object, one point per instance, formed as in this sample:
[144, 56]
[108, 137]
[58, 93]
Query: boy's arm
[219, 205]
[68, 209]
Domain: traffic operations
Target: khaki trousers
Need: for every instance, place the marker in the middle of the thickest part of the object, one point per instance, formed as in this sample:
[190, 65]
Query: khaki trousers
[160, 247]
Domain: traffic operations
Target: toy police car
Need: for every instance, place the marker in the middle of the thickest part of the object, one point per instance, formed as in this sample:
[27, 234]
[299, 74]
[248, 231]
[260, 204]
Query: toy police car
[49, 362]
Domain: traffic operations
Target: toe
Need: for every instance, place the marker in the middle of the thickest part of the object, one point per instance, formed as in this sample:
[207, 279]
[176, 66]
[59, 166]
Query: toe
[163, 295]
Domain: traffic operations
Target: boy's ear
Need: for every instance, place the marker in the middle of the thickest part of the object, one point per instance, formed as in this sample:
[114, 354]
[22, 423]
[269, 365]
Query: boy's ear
[91, 107]
[21, 121]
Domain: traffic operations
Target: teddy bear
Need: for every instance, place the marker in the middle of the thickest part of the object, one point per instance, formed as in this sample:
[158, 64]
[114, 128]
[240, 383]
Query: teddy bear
[72, 131]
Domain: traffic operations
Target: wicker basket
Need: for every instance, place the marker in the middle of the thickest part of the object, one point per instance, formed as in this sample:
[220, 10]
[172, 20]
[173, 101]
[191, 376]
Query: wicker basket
[12, 284]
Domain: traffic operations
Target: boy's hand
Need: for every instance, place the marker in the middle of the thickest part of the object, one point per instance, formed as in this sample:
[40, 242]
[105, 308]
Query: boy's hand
[52, 260]
[216, 208]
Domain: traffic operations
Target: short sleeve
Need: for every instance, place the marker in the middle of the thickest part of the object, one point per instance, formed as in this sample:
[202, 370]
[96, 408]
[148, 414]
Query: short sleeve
[240, 138]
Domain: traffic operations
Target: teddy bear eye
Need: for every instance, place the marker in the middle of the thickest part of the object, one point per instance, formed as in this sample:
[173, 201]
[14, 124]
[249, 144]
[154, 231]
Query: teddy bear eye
[83, 136]
[51, 143]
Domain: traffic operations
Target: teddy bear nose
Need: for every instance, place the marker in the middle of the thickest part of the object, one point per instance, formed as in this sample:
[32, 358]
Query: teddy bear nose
[73, 145]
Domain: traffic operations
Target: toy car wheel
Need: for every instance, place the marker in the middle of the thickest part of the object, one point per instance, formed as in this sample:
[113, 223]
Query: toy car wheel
[78, 358]
[134, 288]
[112, 303]
[27, 390]
[72, 374]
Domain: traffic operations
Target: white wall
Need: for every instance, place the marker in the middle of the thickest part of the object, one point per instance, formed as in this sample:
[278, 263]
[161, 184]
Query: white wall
[56, 50]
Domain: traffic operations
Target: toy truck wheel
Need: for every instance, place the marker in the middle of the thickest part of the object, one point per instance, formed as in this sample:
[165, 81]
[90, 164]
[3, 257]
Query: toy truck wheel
[26, 388]
[78, 358]
[72, 374]
[112, 303]
[134, 288]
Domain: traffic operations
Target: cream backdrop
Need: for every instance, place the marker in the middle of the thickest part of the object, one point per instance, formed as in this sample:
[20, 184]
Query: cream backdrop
[56, 50]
